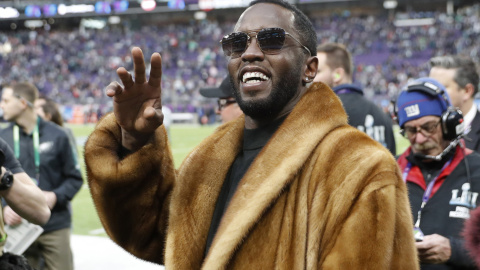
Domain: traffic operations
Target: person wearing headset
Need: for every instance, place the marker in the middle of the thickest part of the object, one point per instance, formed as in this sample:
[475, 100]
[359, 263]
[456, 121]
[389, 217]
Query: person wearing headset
[443, 177]
[335, 68]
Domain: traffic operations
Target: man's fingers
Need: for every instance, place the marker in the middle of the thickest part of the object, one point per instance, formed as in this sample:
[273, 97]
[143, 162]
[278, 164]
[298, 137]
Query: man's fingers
[125, 77]
[113, 89]
[139, 66]
[156, 70]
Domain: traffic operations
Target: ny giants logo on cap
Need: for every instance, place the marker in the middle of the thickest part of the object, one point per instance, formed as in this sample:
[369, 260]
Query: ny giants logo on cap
[412, 110]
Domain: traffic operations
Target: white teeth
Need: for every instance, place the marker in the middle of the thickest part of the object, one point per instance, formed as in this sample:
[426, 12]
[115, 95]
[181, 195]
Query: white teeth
[257, 75]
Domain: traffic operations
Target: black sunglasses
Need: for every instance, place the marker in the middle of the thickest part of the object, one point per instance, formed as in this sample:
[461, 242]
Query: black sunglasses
[270, 41]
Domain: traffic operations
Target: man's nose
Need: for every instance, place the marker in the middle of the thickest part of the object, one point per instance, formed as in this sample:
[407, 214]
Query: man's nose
[253, 50]
[420, 138]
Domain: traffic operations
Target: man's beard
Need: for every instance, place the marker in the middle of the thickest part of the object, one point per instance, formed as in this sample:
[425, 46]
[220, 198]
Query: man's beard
[425, 146]
[269, 107]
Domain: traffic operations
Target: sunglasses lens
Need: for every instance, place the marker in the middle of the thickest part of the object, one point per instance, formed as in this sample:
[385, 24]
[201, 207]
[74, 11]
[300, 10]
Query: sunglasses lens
[234, 44]
[271, 40]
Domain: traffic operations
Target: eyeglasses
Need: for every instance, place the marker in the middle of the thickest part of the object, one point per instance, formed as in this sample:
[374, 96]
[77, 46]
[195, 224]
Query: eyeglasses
[222, 103]
[426, 129]
[269, 40]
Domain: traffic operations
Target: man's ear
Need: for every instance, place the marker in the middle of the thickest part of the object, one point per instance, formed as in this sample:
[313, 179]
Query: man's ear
[311, 67]
[469, 90]
[338, 75]
[26, 103]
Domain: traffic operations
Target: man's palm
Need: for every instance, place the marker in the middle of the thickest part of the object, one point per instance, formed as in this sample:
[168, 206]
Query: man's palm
[137, 105]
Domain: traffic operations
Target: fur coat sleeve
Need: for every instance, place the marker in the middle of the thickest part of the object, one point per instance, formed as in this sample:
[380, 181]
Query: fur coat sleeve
[131, 195]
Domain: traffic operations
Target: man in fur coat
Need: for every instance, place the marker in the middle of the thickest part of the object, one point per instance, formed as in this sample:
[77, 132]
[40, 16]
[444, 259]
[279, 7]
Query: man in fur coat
[290, 185]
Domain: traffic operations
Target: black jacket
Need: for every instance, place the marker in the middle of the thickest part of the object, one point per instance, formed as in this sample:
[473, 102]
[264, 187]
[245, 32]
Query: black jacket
[366, 115]
[59, 171]
[472, 140]
[448, 208]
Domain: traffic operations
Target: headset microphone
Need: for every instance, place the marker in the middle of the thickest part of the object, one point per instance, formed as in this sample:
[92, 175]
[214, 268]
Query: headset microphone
[439, 157]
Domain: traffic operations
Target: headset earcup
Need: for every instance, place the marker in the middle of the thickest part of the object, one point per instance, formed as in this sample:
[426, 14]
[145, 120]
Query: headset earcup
[452, 124]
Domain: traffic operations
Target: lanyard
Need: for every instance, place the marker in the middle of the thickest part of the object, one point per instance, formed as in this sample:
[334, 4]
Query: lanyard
[36, 144]
[428, 191]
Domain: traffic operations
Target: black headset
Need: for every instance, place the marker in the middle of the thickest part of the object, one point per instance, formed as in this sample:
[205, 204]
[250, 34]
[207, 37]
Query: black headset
[451, 119]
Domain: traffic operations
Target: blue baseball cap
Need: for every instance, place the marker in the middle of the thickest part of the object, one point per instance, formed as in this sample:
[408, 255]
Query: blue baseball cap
[421, 97]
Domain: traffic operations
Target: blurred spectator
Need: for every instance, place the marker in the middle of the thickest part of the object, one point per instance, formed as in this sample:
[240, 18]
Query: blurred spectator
[44, 151]
[386, 56]
[228, 108]
[459, 75]
[48, 110]
[335, 69]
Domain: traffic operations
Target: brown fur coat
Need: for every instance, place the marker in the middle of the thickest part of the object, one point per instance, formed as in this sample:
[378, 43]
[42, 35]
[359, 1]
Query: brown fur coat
[320, 195]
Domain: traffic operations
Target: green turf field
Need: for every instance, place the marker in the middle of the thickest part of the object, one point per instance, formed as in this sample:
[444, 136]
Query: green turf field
[400, 141]
[85, 219]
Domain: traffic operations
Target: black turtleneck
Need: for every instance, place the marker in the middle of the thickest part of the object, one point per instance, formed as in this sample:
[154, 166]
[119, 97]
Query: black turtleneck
[253, 142]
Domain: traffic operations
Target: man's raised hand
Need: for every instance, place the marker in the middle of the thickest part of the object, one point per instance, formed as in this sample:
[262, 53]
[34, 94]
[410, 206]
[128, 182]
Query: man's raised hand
[138, 104]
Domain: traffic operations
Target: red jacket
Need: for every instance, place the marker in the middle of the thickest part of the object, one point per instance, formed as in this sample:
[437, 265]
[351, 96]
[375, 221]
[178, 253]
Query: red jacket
[415, 175]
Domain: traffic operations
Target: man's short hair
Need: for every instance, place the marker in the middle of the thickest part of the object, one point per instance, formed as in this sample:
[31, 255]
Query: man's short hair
[303, 25]
[466, 70]
[25, 90]
[337, 56]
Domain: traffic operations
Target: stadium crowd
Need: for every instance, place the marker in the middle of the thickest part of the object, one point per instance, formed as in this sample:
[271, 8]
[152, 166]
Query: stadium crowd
[73, 67]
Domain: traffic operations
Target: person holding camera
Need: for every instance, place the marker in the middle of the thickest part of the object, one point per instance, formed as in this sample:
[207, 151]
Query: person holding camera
[23, 196]
[44, 151]
[443, 177]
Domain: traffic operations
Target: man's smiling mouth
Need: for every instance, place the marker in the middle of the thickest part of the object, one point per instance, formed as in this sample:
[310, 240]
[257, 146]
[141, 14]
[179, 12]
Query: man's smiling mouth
[254, 77]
